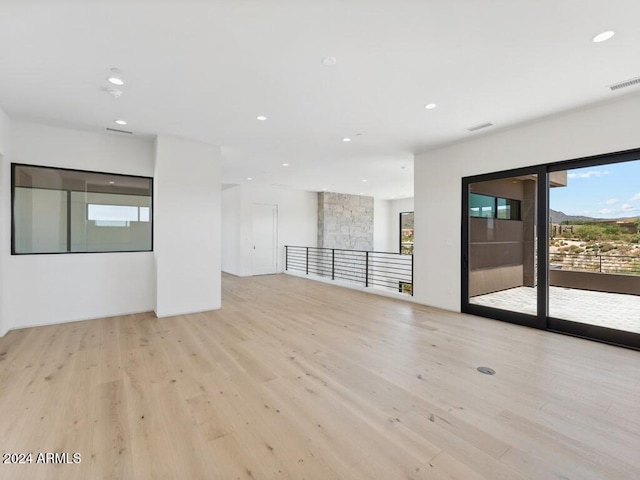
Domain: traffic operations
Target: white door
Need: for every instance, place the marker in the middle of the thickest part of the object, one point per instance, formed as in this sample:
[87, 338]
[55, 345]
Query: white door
[264, 253]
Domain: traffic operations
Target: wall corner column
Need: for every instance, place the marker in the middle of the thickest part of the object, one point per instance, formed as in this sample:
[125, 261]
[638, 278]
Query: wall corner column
[187, 223]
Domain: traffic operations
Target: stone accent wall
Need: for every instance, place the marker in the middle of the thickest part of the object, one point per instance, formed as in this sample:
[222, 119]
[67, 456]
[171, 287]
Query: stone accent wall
[345, 221]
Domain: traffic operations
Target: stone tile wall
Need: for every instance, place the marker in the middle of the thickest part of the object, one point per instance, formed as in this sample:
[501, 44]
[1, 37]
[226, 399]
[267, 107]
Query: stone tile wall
[345, 221]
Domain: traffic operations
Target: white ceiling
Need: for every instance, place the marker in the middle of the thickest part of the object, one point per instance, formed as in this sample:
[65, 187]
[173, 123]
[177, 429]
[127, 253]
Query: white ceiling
[205, 70]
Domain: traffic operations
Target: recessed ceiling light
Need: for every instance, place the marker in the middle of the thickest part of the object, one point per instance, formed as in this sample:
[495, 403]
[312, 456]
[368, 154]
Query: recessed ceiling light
[120, 122]
[249, 178]
[430, 106]
[364, 180]
[285, 164]
[604, 36]
[262, 118]
[329, 61]
[112, 183]
[324, 189]
[346, 139]
[361, 193]
[116, 81]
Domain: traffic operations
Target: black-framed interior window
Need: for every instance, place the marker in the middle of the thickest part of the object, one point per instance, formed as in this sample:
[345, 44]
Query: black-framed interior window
[56, 210]
[406, 233]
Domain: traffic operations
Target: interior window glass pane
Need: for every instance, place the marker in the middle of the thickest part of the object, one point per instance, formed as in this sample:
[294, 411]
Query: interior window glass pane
[108, 222]
[40, 220]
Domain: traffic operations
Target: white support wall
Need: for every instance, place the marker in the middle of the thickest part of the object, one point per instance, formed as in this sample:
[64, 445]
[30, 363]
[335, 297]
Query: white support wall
[381, 225]
[231, 229]
[187, 243]
[599, 129]
[57, 288]
[5, 159]
[297, 222]
[46, 289]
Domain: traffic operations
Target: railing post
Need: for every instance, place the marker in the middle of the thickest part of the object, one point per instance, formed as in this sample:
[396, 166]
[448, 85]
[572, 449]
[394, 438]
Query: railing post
[333, 264]
[286, 257]
[366, 269]
[307, 260]
[412, 274]
[600, 263]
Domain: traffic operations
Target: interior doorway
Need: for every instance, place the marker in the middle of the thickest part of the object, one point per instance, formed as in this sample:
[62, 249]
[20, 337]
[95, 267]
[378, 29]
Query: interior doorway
[264, 238]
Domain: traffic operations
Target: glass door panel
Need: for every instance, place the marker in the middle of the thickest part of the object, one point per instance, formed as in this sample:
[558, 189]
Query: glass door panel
[502, 246]
[594, 247]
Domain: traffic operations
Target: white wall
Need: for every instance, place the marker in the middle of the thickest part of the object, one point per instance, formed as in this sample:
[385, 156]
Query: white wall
[297, 222]
[4, 208]
[46, 289]
[381, 225]
[187, 243]
[231, 224]
[604, 128]
[395, 208]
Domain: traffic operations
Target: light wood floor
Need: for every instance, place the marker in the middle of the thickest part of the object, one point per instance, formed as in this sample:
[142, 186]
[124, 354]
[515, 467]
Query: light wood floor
[302, 380]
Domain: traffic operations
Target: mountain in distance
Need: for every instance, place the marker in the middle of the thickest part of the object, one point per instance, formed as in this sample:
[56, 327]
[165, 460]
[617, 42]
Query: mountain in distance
[559, 217]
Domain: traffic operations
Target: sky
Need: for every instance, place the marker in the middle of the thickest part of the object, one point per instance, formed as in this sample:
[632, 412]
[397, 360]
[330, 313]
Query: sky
[607, 191]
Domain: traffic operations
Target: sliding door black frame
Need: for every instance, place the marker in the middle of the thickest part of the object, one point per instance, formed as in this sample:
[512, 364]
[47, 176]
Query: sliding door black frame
[534, 321]
[542, 320]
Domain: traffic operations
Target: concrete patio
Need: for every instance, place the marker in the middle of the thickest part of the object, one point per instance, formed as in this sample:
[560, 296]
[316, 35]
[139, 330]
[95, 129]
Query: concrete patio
[611, 310]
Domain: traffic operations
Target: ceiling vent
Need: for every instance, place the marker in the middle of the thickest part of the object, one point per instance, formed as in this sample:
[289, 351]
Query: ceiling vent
[480, 127]
[625, 84]
[116, 130]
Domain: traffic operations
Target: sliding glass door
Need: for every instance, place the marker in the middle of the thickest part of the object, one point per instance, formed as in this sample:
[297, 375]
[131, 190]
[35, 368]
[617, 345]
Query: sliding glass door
[594, 251]
[556, 247]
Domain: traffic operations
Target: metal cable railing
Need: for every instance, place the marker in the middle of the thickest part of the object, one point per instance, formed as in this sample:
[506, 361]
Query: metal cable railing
[390, 271]
[624, 264]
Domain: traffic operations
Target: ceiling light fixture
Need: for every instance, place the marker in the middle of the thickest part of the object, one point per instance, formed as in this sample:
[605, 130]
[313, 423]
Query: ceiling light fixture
[285, 164]
[430, 106]
[329, 61]
[115, 81]
[249, 178]
[346, 139]
[364, 180]
[120, 122]
[604, 36]
[262, 118]
[112, 182]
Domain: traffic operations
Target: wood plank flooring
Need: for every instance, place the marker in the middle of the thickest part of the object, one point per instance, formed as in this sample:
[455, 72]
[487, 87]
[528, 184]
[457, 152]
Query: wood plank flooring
[296, 379]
